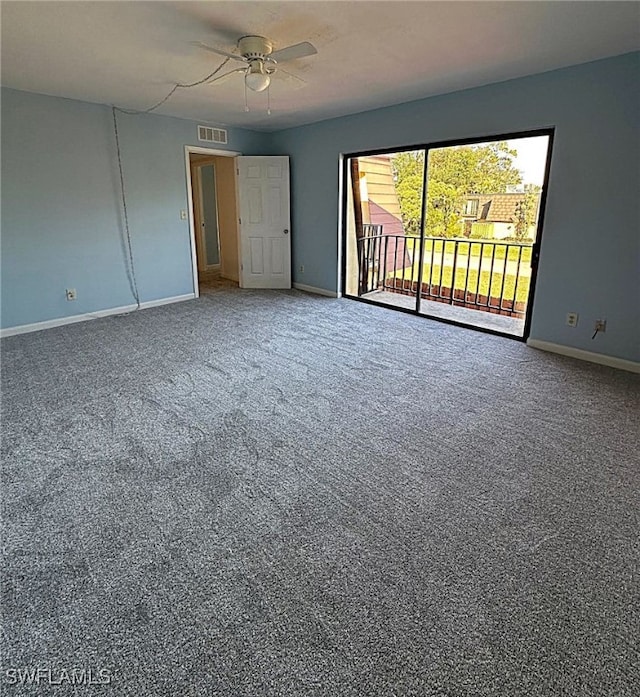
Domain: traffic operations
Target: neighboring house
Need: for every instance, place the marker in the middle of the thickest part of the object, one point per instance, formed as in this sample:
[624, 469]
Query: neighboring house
[381, 206]
[493, 216]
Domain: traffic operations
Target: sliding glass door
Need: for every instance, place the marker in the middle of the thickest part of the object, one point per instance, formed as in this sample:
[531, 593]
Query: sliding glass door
[457, 242]
[384, 196]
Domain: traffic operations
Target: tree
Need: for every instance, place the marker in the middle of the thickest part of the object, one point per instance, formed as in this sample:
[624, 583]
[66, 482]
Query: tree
[526, 211]
[443, 209]
[408, 174]
[452, 174]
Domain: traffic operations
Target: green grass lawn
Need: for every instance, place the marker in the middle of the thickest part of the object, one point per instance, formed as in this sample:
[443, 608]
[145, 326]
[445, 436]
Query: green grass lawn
[442, 277]
[464, 247]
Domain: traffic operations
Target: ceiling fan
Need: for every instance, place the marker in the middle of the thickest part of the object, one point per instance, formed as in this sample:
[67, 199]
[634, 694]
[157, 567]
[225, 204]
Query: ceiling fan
[261, 61]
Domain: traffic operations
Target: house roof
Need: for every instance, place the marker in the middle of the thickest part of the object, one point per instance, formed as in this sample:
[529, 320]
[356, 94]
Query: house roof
[391, 225]
[497, 208]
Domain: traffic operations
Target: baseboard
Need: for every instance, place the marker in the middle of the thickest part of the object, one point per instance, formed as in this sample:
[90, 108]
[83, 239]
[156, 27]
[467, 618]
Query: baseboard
[315, 291]
[167, 301]
[600, 358]
[61, 321]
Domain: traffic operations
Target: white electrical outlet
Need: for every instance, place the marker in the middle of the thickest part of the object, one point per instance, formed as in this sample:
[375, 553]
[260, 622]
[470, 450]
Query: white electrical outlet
[301, 268]
[183, 215]
[71, 293]
[572, 319]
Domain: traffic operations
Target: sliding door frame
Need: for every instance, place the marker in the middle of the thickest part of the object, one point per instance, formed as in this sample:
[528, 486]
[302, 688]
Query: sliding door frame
[427, 147]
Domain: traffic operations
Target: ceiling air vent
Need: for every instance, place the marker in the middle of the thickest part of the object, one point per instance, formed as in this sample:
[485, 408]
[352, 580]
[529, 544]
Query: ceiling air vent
[212, 135]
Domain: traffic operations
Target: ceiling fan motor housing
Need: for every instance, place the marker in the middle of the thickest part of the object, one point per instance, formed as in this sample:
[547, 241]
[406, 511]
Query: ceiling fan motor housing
[253, 47]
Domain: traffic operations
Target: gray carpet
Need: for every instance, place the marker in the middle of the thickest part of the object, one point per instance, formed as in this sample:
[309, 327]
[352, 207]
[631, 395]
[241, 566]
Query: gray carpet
[275, 494]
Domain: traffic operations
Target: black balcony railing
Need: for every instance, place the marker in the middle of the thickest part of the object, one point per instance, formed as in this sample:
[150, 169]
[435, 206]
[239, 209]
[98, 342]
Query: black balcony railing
[485, 275]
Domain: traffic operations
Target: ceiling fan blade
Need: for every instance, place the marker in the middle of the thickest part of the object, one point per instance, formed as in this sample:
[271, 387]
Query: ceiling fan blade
[226, 75]
[290, 53]
[289, 79]
[235, 56]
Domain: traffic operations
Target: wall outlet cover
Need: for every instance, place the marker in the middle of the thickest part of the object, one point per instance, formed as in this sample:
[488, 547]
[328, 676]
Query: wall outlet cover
[572, 319]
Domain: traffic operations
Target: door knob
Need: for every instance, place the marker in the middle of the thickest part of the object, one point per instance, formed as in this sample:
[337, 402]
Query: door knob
[286, 232]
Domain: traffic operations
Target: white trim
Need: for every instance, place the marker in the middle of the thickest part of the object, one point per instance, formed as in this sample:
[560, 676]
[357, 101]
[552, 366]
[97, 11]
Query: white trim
[340, 240]
[61, 321]
[168, 301]
[315, 291]
[192, 226]
[188, 149]
[197, 150]
[600, 358]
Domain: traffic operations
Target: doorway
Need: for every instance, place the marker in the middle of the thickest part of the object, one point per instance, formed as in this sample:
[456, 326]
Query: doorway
[213, 218]
[450, 231]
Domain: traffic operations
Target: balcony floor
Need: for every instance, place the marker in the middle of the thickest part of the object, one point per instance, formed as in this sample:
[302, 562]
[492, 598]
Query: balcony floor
[474, 318]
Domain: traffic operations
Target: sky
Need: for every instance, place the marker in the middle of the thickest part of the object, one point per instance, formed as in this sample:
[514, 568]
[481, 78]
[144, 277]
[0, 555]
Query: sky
[532, 155]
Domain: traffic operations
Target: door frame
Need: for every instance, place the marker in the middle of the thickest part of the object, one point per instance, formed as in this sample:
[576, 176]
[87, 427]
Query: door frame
[535, 252]
[197, 150]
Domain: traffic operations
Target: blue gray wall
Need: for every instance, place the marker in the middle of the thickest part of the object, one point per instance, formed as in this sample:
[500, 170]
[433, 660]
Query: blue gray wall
[62, 225]
[590, 256]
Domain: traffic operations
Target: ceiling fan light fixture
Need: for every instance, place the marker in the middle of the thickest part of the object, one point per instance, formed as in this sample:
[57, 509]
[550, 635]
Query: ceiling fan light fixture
[256, 78]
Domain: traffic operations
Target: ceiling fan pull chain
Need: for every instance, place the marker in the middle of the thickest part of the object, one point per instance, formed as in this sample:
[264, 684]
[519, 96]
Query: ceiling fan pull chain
[269, 101]
[246, 103]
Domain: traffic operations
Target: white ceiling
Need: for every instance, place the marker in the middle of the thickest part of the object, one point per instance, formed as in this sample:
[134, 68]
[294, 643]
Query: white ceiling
[370, 54]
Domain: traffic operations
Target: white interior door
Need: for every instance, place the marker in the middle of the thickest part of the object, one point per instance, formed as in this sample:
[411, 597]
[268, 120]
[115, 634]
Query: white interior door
[265, 222]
